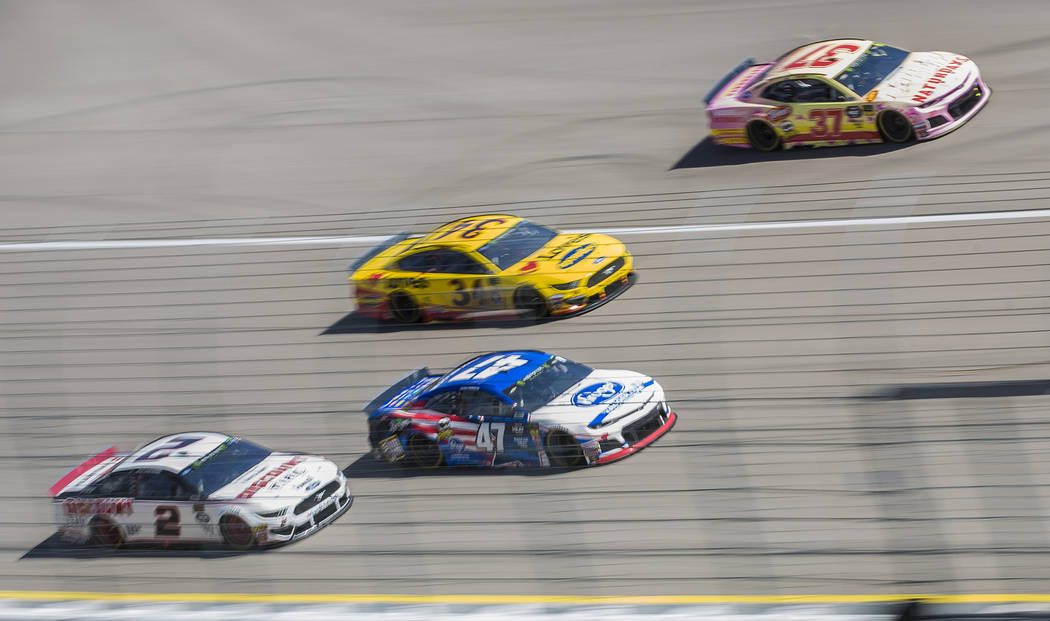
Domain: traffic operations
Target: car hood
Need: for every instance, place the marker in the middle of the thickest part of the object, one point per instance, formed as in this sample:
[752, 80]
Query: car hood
[570, 255]
[284, 476]
[600, 401]
[925, 77]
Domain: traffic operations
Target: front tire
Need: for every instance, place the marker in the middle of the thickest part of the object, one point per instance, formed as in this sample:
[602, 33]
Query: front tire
[404, 308]
[106, 533]
[894, 127]
[529, 300]
[236, 532]
[762, 137]
[563, 450]
[422, 452]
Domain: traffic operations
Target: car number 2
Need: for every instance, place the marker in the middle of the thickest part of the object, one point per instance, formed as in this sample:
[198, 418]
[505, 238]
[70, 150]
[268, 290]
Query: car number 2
[167, 523]
[490, 437]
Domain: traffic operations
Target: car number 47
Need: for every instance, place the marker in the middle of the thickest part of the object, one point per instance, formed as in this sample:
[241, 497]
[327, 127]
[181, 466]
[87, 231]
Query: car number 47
[490, 437]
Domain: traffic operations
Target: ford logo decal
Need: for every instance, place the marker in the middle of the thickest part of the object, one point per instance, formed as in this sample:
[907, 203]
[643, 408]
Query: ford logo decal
[596, 394]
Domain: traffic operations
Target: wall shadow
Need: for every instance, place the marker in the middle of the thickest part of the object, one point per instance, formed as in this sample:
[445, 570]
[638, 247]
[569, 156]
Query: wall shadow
[707, 154]
[54, 547]
[368, 467]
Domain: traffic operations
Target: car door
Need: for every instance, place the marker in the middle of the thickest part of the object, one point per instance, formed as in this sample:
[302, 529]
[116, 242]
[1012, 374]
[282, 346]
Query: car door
[163, 505]
[462, 283]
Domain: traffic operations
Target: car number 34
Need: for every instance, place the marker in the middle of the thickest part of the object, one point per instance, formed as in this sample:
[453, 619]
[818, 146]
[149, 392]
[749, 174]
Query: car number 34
[490, 437]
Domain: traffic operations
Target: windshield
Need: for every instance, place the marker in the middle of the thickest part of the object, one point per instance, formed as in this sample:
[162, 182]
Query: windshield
[547, 382]
[521, 240]
[218, 468]
[871, 67]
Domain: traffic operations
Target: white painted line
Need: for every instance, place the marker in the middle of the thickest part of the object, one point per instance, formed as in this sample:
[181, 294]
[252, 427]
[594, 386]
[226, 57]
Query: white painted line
[1031, 214]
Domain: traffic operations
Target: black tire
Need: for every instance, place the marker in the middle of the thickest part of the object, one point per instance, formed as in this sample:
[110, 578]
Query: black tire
[894, 127]
[106, 533]
[563, 450]
[236, 532]
[422, 452]
[529, 300]
[404, 308]
[762, 137]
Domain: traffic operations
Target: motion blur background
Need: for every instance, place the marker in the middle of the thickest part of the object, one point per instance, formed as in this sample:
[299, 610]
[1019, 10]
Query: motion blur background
[799, 464]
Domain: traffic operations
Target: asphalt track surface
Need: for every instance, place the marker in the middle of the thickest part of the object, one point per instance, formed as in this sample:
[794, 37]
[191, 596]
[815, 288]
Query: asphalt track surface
[191, 120]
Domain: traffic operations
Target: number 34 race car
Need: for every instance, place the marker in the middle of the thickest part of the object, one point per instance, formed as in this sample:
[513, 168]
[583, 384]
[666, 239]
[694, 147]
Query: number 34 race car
[490, 266]
[199, 487]
[516, 409]
[844, 91]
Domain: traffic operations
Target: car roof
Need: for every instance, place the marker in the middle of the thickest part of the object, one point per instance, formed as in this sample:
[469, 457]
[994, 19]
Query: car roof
[155, 456]
[812, 51]
[524, 363]
[491, 227]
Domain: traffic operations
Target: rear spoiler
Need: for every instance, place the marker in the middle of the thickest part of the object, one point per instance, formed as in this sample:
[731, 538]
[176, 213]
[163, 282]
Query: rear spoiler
[402, 390]
[92, 468]
[397, 238]
[744, 65]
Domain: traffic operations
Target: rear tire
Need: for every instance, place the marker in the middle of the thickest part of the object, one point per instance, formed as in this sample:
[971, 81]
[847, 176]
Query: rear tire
[894, 127]
[563, 450]
[422, 452]
[762, 137]
[404, 308]
[529, 300]
[236, 532]
[106, 533]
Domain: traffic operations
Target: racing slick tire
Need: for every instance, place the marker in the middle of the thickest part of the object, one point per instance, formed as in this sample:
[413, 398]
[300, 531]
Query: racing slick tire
[404, 308]
[563, 450]
[236, 532]
[762, 137]
[528, 299]
[894, 127]
[106, 533]
[422, 452]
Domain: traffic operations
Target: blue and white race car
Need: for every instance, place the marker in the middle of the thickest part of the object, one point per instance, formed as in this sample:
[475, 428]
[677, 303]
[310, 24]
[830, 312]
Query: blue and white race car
[517, 409]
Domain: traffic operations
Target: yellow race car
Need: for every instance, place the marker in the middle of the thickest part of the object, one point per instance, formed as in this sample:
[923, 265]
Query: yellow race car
[489, 266]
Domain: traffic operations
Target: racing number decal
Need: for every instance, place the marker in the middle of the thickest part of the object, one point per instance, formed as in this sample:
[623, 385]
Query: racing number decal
[470, 232]
[166, 449]
[821, 59]
[481, 296]
[821, 129]
[167, 522]
[485, 441]
[490, 367]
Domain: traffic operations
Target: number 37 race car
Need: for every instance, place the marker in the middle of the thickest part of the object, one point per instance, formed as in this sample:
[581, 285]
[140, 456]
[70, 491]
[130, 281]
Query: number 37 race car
[199, 487]
[517, 409]
[844, 91]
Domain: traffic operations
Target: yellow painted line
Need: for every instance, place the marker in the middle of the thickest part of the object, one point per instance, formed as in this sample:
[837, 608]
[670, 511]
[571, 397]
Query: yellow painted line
[523, 599]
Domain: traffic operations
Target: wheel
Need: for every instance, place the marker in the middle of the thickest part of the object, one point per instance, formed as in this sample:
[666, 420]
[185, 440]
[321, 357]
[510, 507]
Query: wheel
[529, 300]
[894, 127]
[105, 532]
[762, 136]
[563, 449]
[404, 308]
[423, 452]
[236, 532]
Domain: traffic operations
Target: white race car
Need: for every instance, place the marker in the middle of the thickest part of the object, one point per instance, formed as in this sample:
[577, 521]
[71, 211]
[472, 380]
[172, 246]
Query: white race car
[199, 487]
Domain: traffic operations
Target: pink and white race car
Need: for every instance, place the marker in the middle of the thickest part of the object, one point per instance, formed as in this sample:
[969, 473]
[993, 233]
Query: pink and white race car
[844, 91]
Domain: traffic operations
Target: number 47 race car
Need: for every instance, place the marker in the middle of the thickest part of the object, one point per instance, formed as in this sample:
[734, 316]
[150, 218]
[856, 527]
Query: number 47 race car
[199, 487]
[844, 91]
[517, 409]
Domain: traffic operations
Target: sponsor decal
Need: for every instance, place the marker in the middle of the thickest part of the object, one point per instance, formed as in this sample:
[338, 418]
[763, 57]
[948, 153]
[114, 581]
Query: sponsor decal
[778, 113]
[132, 529]
[868, 109]
[391, 448]
[202, 517]
[938, 78]
[109, 506]
[459, 458]
[591, 450]
[517, 428]
[745, 95]
[75, 521]
[576, 255]
[787, 126]
[405, 283]
[265, 479]
[596, 394]
[598, 261]
[311, 484]
[618, 400]
[531, 266]
[456, 445]
[854, 112]
[871, 96]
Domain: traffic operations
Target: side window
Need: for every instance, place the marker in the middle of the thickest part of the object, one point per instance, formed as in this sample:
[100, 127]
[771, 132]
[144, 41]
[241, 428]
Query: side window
[446, 402]
[157, 485]
[459, 263]
[812, 91]
[481, 403]
[780, 91]
[116, 485]
[441, 261]
[415, 262]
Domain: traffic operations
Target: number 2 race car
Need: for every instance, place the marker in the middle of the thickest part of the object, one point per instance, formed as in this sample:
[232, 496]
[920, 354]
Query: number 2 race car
[844, 91]
[490, 266]
[199, 487]
[516, 409]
